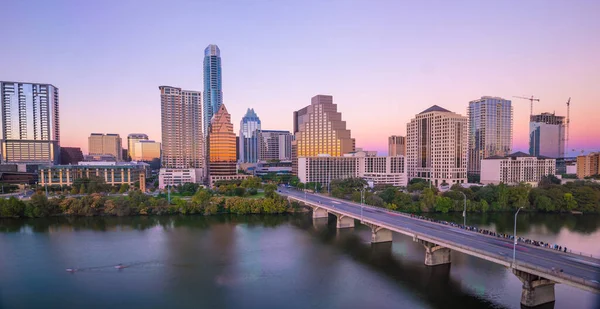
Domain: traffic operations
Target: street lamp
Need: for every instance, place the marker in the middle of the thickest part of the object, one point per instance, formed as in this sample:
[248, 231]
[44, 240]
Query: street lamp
[465, 210]
[515, 237]
[362, 201]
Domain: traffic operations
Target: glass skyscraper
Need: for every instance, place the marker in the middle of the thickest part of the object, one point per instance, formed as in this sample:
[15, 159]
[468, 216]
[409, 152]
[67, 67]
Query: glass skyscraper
[490, 130]
[29, 132]
[547, 135]
[250, 137]
[213, 91]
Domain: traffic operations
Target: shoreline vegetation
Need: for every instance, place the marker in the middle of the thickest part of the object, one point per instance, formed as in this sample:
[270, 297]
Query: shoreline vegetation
[243, 197]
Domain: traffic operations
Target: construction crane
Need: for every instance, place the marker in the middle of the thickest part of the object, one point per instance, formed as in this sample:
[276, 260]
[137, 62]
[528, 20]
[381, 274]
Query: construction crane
[568, 121]
[531, 103]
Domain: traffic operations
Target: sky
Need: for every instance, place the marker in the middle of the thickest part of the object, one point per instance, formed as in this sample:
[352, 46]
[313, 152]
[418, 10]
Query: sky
[382, 60]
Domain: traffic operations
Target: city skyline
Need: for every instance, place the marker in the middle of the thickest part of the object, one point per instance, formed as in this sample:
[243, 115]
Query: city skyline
[412, 71]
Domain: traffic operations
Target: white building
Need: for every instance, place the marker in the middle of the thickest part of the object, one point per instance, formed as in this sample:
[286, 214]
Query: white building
[179, 176]
[380, 170]
[516, 168]
[436, 146]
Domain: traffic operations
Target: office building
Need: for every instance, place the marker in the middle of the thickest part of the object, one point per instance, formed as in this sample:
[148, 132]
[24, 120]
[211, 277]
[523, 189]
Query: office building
[29, 130]
[249, 138]
[276, 145]
[221, 144]
[396, 145]
[588, 165]
[172, 177]
[105, 144]
[131, 140]
[376, 170]
[146, 150]
[516, 168]
[547, 135]
[436, 146]
[490, 130]
[181, 120]
[213, 89]
[319, 129]
[70, 155]
[113, 173]
[276, 167]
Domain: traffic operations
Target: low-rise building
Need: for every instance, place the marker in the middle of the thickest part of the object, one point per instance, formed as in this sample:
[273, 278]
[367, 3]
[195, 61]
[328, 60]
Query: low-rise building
[179, 176]
[379, 170]
[516, 168]
[588, 165]
[113, 173]
[274, 167]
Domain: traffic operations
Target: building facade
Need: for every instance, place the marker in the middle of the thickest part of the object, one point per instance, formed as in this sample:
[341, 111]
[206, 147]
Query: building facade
[221, 144]
[111, 172]
[516, 168]
[249, 138]
[279, 168]
[146, 150]
[436, 146]
[276, 145]
[213, 88]
[105, 144]
[181, 121]
[396, 145]
[172, 177]
[378, 170]
[588, 165]
[70, 155]
[319, 129]
[547, 135]
[29, 130]
[490, 130]
[131, 140]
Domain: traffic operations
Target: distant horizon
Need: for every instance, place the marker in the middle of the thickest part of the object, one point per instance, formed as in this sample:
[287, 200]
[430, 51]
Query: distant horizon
[397, 57]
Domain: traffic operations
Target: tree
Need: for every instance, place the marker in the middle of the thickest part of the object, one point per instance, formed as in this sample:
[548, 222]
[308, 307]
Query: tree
[270, 190]
[548, 180]
[124, 188]
[201, 197]
[74, 190]
[240, 191]
[544, 203]
[570, 201]
[427, 199]
[484, 206]
[82, 189]
[251, 182]
[443, 204]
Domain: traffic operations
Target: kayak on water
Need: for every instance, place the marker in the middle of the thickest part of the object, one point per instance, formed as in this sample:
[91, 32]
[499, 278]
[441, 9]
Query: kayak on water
[120, 266]
[71, 270]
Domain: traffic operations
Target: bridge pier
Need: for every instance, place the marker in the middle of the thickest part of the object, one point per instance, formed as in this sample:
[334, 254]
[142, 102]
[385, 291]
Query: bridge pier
[319, 213]
[379, 235]
[344, 221]
[536, 290]
[435, 254]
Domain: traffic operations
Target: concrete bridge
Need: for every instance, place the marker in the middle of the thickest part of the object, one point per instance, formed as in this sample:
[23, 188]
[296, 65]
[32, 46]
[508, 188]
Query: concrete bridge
[537, 268]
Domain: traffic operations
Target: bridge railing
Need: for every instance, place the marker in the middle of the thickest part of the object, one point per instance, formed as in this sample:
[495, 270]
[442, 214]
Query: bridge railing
[501, 257]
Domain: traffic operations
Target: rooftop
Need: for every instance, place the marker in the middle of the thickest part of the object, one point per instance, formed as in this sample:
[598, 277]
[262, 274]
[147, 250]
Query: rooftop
[435, 108]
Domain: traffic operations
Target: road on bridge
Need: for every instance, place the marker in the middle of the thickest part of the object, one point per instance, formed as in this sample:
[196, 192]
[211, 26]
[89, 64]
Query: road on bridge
[580, 267]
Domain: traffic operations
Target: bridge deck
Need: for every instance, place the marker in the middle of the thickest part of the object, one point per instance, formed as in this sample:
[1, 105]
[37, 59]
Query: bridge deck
[578, 271]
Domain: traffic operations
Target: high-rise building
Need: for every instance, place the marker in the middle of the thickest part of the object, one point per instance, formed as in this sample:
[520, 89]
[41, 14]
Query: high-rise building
[319, 129]
[213, 90]
[547, 135]
[146, 150]
[276, 145]
[221, 144]
[131, 140]
[249, 139]
[70, 155]
[29, 130]
[182, 138]
[396, 145]
[105, 144]
[490, 130]
[588, 165]
[436, 146]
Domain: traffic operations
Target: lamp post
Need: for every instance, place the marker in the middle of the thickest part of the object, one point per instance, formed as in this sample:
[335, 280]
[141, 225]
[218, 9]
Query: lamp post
[515, 237]
[362, 201]
[465, 210]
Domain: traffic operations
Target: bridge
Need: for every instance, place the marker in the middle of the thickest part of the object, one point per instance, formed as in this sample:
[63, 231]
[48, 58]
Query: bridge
[539, 269]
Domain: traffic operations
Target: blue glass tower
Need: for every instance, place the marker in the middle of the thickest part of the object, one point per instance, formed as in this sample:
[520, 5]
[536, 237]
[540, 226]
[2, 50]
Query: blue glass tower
[213, 91]
[250, 137]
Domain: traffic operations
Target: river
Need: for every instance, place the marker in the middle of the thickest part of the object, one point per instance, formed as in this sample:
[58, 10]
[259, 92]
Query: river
[284, 261]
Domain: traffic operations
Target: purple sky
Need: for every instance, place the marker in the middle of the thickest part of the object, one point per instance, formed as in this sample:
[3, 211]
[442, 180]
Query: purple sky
[109, 57]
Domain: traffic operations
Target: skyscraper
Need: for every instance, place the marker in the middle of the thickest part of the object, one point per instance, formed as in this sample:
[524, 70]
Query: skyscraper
[213, 91]
[181, 119]
[276, 145]
[490, 130]
[396, 146]
[250, 130]
[221, 144]
[131, 140]
[547, 135]
[146, 150]
[319, 129]
[436, 146]
[29, 130]
[105, 144]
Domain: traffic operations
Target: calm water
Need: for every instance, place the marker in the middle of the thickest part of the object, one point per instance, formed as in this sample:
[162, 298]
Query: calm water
[259, 262]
